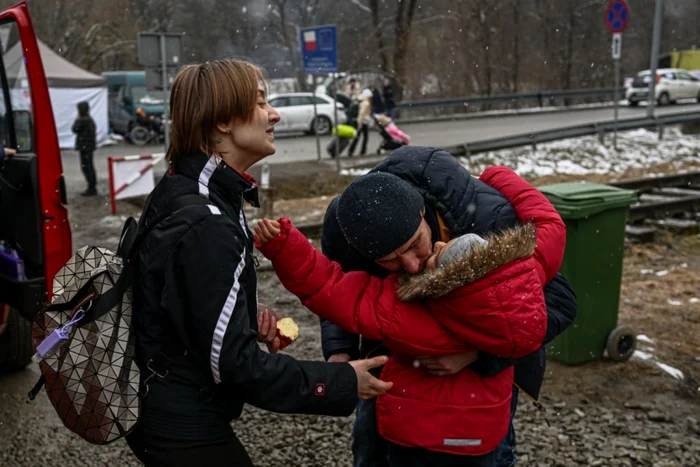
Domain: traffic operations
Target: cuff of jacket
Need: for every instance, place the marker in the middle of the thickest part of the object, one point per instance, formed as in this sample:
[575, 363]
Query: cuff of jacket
[354, 353]
[338, 397]
[271, 249]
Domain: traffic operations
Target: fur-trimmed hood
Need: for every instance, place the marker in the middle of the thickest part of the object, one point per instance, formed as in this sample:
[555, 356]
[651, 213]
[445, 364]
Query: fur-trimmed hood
[502, 248]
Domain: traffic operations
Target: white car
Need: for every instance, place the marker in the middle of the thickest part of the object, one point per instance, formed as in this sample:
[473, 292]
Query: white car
[297, 112]
[672, 84]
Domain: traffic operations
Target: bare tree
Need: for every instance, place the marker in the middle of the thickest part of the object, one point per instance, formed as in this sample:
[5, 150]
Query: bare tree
[404, 18]
[441, 47]
[287, 17]
[377, 25]
[516, 45]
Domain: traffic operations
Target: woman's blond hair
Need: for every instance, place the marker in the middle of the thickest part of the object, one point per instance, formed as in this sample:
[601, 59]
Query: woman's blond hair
[208, 94]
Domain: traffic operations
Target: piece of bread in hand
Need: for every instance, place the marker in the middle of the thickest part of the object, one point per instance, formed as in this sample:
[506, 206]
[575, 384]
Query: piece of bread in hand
[287, 331]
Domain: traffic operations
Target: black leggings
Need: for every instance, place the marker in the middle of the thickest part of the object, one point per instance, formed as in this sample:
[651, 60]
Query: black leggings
[88, 167]
[154, 451]
[364, 133]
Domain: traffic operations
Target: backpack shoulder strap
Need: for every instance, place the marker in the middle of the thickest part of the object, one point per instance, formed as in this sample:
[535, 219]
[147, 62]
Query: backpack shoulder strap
[133, 234]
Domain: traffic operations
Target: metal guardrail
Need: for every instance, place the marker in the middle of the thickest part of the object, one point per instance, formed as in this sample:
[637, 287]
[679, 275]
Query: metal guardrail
[313, 230]
[599, 128]
[540, 97]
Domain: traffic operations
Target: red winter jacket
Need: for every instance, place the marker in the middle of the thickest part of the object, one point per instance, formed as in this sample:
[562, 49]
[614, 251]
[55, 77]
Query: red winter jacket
[490, 300]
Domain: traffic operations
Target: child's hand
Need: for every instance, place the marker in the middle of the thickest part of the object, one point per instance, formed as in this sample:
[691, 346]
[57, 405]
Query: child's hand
[265, 231]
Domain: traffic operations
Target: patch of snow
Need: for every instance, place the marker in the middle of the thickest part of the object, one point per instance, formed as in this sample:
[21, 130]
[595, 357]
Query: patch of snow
[694, 300]
[674, 302]
[644, 338]
[675, 372]
[642, 355]
[579, 156]
[662, 273]
[354, 172]
[647, 271]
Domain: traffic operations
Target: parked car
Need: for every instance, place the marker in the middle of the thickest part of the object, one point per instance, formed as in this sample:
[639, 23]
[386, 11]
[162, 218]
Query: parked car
[127, 89]
[671, 84]
[297, 112]
[120, 121]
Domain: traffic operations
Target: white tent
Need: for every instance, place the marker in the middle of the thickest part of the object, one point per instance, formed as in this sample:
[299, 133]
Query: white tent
[68, 85]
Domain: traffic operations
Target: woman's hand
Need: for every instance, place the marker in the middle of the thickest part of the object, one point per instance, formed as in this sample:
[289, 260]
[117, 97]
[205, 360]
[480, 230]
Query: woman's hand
[265, 231]
[447, 364]
[367, 385]
[267, 328]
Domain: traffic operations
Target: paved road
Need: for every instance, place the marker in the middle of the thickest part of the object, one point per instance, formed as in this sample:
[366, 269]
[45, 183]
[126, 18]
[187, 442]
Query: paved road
[291, 148]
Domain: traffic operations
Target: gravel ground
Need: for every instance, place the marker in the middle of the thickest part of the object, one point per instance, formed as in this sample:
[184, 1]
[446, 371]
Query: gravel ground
[600, 414]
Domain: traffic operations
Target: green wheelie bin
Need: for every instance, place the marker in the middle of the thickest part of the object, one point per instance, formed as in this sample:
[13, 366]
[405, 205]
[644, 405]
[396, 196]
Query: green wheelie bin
[595, 217]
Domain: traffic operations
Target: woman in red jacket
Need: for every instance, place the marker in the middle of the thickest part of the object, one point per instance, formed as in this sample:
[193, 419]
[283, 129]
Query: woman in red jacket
[489, 300]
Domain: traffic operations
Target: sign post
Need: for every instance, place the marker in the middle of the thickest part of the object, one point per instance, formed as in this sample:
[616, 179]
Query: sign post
[315, 121]
[335, 118]
[616, 19]
[160, 54]
[655, 44]
[319, 53]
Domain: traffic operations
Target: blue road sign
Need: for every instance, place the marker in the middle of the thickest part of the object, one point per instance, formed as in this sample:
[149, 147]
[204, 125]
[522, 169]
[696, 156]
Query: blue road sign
[319, 50]
[617, 16]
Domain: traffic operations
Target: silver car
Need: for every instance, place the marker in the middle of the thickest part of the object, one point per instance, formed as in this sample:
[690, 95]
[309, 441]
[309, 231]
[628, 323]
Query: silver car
[297, 112]
[672, 84]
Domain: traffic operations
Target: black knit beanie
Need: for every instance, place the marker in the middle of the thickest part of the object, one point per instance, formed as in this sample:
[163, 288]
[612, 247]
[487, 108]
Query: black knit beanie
[378, 213]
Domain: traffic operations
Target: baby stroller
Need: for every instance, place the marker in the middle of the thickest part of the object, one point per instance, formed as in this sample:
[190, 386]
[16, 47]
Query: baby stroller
[392, 137]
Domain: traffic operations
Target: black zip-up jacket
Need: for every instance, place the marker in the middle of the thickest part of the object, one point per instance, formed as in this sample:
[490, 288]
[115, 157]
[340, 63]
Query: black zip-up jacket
[466, 205]
[84, 129]
[197, 284]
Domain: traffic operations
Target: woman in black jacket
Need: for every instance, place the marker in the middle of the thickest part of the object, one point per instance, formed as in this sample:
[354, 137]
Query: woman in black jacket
[196, 315]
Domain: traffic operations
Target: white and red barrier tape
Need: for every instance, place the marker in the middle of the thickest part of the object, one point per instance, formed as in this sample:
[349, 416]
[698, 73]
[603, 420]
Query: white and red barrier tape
[127, 180]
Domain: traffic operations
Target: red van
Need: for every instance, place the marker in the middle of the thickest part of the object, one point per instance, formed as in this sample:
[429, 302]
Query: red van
[35, 236]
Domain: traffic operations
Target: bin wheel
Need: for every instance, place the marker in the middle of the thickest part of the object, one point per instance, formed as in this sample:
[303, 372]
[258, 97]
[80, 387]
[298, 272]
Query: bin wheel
[622, 342]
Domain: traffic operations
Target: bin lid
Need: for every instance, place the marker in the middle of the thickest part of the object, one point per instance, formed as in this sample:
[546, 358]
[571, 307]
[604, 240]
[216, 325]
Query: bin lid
[576, 200]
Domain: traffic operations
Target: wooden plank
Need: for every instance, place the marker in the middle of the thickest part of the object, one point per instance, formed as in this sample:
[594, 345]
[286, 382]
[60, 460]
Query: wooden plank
[647, 184]
[649, 198]
[679, 191]
[676, 226]
[664, 208]
[640, 234]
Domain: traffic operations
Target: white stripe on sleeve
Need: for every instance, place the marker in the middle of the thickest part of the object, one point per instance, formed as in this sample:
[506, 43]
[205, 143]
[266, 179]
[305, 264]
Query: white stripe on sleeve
[224, 318]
